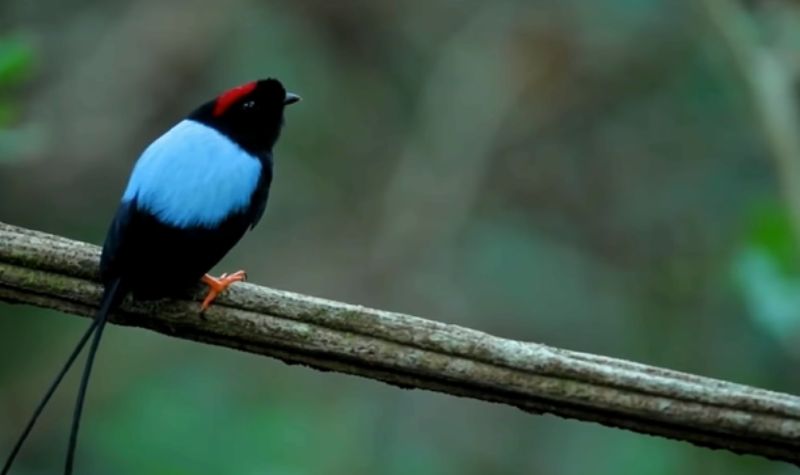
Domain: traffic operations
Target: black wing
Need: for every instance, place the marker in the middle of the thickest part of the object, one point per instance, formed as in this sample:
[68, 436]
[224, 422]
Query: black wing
[259, 200]
[112, 256]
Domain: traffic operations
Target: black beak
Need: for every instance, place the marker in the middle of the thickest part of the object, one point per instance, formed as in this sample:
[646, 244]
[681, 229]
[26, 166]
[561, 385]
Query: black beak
[291, 98]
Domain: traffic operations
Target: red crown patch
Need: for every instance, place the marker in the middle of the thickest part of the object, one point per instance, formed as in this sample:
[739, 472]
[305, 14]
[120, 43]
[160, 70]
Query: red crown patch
[230, 96]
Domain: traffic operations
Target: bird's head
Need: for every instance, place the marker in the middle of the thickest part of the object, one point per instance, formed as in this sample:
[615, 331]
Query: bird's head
[251, 114]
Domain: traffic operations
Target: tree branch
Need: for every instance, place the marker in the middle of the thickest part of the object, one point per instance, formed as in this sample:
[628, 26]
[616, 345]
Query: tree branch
[410, 352]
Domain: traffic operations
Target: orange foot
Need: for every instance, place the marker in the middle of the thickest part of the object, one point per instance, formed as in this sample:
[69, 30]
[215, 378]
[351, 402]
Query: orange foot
[217, 286]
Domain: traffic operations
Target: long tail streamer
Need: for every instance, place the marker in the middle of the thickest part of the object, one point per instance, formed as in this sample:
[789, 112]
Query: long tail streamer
[111, 296]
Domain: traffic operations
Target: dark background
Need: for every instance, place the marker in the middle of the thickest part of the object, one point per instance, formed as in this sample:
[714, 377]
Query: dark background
[591, 175]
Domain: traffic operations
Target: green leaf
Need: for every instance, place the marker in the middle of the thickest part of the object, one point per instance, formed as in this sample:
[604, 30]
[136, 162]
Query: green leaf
[770, 230]
[767, 273]
[16, 60]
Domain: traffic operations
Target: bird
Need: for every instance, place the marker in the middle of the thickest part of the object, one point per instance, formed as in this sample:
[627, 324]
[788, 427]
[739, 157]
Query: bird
[191, 196]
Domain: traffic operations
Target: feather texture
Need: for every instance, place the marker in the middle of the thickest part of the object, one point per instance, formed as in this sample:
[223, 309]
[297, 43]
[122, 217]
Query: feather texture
[193, 176]
[192, 195]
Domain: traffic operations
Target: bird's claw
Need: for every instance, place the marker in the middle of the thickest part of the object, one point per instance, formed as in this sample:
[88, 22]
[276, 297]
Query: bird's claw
[217, 285]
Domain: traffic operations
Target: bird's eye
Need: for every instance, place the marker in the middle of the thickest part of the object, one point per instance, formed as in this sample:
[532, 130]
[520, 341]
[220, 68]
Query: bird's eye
[249, 105]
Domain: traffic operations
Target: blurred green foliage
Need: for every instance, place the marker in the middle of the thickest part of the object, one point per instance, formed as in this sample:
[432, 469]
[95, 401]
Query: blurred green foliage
[16, 60]
[768, 271]
[16, 66]
[584, 174]
[770, 230]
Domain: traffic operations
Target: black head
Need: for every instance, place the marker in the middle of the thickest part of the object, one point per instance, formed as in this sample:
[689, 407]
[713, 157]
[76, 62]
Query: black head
[250, 114]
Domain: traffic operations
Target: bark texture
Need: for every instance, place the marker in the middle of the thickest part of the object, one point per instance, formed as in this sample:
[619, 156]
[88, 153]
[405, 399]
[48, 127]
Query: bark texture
[54, 272]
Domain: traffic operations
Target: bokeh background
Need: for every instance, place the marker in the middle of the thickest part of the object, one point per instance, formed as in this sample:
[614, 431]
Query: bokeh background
[613, 176]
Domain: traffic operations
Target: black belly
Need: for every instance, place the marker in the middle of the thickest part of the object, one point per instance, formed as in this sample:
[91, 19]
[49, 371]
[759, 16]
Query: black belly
[156, 260]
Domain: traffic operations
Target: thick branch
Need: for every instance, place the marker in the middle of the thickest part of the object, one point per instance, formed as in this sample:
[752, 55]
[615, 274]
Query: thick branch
[54, 272]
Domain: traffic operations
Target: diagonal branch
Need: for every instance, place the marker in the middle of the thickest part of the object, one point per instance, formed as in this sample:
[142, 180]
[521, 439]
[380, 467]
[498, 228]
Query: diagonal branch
[410, 352]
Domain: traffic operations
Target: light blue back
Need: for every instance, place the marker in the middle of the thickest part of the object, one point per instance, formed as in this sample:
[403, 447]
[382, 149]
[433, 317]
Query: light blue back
[193, 176]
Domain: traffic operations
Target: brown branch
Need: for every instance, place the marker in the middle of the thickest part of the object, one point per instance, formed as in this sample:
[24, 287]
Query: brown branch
[54, 272]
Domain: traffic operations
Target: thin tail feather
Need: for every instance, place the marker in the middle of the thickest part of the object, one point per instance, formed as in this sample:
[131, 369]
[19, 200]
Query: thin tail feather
[52, 389]
[111, 296]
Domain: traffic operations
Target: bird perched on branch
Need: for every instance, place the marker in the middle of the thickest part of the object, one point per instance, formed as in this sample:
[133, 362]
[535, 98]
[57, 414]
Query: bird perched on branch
[191, 196]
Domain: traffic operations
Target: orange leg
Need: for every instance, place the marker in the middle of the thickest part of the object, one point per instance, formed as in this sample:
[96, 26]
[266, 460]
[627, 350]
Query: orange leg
[217, 286]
